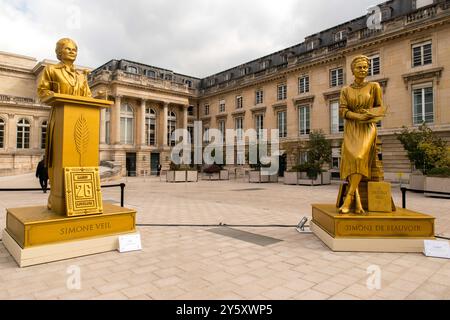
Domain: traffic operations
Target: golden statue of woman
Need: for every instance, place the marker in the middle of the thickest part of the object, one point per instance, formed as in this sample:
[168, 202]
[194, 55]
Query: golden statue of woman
[361, 105]
[61, 78]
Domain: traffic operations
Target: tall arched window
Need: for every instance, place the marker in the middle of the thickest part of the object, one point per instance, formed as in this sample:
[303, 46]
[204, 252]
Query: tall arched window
[2, 133]
[150, 127]
[171, 126]
[43, 134]
[126, 124]
[23, 134]
[108, 126]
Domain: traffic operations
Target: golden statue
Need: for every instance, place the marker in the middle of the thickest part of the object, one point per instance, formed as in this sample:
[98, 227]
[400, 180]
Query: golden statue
[61, 78]
[361, 105]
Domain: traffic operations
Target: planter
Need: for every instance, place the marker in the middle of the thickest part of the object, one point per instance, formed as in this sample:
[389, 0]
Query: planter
[301, 178]
[224, 175]
[437, 184]
[257, 177]
[417, 181]
[191, 176]
[182, 176]
[291, 178]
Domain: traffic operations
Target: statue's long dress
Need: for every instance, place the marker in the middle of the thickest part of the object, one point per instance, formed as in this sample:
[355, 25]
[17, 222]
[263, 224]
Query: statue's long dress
[359, 147]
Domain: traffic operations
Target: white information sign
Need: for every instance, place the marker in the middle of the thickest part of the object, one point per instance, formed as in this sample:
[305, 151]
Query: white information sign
[437, 249]
[130, 242]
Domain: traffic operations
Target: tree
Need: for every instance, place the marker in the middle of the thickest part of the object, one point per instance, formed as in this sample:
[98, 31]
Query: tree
[319, 153]
[425, 149]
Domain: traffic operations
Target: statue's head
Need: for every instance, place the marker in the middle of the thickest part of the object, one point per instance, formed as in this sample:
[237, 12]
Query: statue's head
[66, 50]
[360, 66]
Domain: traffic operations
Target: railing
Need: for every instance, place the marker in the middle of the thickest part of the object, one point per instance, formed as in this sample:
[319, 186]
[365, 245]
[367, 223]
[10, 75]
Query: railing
[121, 185]
[404, 190]
[421, 14]
[337, 45]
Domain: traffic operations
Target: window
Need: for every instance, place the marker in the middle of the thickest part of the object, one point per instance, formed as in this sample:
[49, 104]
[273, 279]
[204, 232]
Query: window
[126, 124]
[2, 133]
[228, 77]
[221, 127]
[43, 134]
[339, 36]
[336, 77]
[259, 97]
[303, 84]
[282, 124]
[190, 129]
[239, 127]
[108, 125]
[206, 109]
[311, 45]
[245, 71]
[304, 120]
[206, 134]
[190, 110]
[151, 74]
[171, 126]
[374, 66]
[265, 64]
[168, 77]
[259, 125]
[423, 104]
[284, 58]
[188, 83]
[23, 134]
[221, 106]
[239, 103]
[131, 69]
[282, 92]
[337, 123]
[422, 54]
[150, 127]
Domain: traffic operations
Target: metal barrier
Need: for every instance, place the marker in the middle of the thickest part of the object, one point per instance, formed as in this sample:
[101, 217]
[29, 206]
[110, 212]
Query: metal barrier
[121, 185]
[404, 190]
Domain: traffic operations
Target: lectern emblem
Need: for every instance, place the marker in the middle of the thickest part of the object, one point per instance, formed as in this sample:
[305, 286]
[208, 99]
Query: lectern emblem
[82, 188]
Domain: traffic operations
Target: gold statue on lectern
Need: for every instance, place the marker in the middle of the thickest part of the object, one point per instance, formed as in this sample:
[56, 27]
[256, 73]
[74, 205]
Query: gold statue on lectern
[75, 221]
[361, 105]
[61, 78]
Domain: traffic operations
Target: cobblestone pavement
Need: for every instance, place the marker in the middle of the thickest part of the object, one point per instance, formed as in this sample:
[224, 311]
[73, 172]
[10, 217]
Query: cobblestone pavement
[193, 263]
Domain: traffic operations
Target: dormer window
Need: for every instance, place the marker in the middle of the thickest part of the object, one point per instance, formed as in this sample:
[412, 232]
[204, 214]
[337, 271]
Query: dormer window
[131, 69]
[188, 83]
[312, 44]
[284, 58]
[168, 77]
[151, 74]
[265, 64]
[244, 71]
[228, 76]
[339, 36]
[422, 3]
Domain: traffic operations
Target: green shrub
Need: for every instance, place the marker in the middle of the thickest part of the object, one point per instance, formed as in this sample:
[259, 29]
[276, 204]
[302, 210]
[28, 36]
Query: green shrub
[443, 172]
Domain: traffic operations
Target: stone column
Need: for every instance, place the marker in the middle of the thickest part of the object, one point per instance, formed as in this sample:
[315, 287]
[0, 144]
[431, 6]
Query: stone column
[11, 133]
[103, 126]
[35, 133]
[165, 124]
[115, 121]
[142, 123]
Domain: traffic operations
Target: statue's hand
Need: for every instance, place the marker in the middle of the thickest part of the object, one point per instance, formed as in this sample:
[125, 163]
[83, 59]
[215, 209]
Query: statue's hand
[361, 116]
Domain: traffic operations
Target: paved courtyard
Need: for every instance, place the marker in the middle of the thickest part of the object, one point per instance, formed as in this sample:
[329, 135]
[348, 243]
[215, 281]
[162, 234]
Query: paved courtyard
[199, 262]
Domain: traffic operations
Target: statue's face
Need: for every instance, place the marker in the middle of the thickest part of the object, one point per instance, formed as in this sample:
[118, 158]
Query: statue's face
[69, 52]
[361, 69]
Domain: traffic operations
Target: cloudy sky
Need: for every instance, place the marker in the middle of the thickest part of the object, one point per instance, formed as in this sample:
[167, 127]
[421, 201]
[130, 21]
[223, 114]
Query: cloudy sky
[196, 37]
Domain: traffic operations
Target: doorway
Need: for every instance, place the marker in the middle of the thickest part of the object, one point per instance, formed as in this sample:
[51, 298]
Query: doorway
[282, 165]
[131, 164]
[154, 162]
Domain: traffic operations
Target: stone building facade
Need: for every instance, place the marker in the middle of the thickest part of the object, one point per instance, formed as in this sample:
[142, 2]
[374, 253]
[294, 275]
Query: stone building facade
[295, 90]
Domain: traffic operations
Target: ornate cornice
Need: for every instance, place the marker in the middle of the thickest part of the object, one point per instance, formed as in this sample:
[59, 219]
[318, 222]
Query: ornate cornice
[435, 73]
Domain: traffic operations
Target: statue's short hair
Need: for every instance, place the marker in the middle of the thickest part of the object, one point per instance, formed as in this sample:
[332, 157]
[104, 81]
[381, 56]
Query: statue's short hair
[359, 59]
[60, 45]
